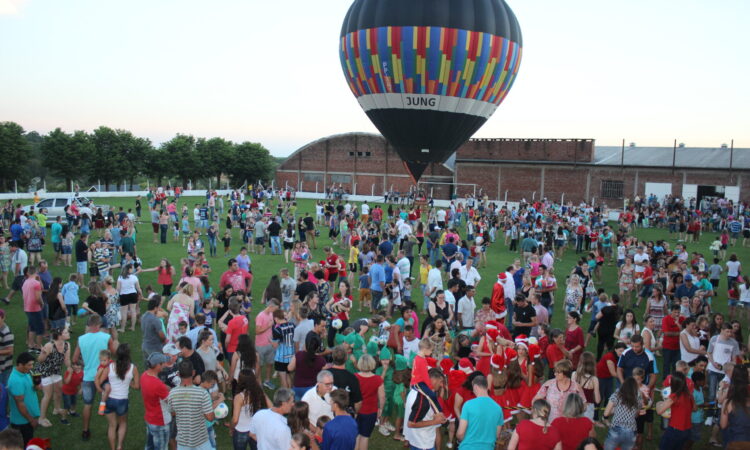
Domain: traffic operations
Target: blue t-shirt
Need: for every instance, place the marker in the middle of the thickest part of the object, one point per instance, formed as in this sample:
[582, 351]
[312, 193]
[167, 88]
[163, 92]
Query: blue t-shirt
[56, 230]
[385, 248]
[388, 273]
[364, 281]
[91, 344]
[377, 275]
[484, 416]
[16, 231]
[70, 293]
[340, 434]
[22, 384]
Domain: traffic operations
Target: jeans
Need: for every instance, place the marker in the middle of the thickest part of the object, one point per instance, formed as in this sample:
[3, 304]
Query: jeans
[619, 437]
[211, 436]
[241, 441]
[669, 359]
[69, 401]
[714, 378]
[212, 245]
[163, 233]
[204, 446]
[673, 438]
[376, 296]
[4, 375]
[434, 254]
[605, 391]
[275, 245]
[509, 316]
[411, 447]
[157, 437]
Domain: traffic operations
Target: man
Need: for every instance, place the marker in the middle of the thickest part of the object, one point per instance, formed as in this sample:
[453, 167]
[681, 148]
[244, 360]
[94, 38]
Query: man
[465, 309]
[687, 289]
[200, 325]
[270, 426]
[481, 419]
[639, 259]
[524, 317]
[19, 259]
[365, 216]
[235, 328]
[155, 224]
[82, 256]
[469, 273]
[151, 328]
[449, 251]
[188, 354]
[722, 349]
[89, 346]
[423, 416]
[259, 232]
[191, 406]
[542, 315]
[333, 265]
[548, 260]
[385, 247]
[32, 306]
[434, 282]
[343, 379]
[24, 403]
[377, 284]
[528, 247]
[305, 326]
[6, 350]
[341, 432]
[319, 397]
[154, 393]
[403, 264]
[671, 327]
[636, 356]
[56, 238]
[263, 335]
[127, 244]
[274, 231]
[239, 279]
[288, 285]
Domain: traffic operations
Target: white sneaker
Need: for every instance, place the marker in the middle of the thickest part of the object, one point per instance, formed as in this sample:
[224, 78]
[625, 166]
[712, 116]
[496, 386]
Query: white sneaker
[390, 427]
[384, 431]
[709, 421]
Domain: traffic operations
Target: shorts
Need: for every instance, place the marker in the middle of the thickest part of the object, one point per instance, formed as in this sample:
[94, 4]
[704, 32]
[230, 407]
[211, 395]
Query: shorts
[18, 283]
[88, 392]
[266, 353]
[288, 245]
[67, 250]
[280, 366]
[82, 267]
[733, 302]
[696, 431]
[260, 241]
[641, 421]
[50, 380]
[94, 271]
[353, 267]
[714, 283]
[155, 227]
[746, 234]
[333, 276]
[117, 406]
[36, 322]
[57, 247]
[128, 299]
[366, 423]
[734, 235]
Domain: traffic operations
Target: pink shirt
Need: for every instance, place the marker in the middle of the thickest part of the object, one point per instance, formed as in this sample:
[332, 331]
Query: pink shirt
[30, 288]
[262, 320]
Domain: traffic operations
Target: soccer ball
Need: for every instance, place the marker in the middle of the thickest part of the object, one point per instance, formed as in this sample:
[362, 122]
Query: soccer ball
[221, 411]
[337, 324]
[479, 240]
[383, 302]
[82, 312]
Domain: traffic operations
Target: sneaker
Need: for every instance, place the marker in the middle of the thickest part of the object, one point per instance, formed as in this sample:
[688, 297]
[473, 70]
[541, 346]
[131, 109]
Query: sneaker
[390, 427]
[86, 435]
[64, 421]
[5, 300]
[45, 423]
[269, 385]
[384, 431]
[72, 414]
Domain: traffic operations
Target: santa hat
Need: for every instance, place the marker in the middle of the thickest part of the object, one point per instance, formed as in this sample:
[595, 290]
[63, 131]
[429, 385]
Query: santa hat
[502, 276]
[510, 354]
[534, 352]
[522, 339]
[465, 365]
[492, 325]
[492, 333]
[38, 444]
[497, 361]
[455, 379]
[431, 362]
[446, 365]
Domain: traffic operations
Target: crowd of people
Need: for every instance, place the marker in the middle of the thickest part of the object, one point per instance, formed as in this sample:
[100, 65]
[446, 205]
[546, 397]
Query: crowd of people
[389, 336]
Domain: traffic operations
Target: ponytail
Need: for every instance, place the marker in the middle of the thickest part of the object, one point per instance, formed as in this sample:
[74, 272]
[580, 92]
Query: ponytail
[541, 408]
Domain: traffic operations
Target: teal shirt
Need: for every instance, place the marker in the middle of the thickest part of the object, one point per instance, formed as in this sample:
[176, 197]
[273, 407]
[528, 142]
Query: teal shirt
[22, 384]
[484, 416]
[56, 231]
[698, 416]
[91, 344]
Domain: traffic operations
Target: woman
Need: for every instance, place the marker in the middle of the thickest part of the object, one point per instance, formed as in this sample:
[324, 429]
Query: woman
[122, 375]
[627, 280]
[339, 305]
[130, 292]
[698, 307]
[51, 359]
[272, 290]
[733, 269]
[574, 337]
[181, 308]
[650, 342]
[96, 302]
[438, 308]
[556, 390]
[535, 433]
[656, 307]
[585, 376]
[245, 357]
[690, 343]
[573, 294]
[625, 404]
[606, 373]
[300, 255]
[681, 404]
[249, 399]
[165, 273]
[373, 400]
[58, 313]
[424, 270]
[113, 306]
[627, 327]
[5, 257]
[306, 364]
[288, 238]
[735, 412]
[439, 334]
[573, 426]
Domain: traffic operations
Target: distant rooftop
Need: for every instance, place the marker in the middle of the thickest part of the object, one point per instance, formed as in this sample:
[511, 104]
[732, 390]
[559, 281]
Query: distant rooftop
[691, 157]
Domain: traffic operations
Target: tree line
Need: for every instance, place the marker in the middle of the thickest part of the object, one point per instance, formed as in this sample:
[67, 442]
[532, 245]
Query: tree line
[112, 157]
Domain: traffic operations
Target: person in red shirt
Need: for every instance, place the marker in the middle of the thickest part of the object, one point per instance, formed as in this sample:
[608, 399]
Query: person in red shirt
[556, 350]
[682, 405]
[236, 327]
[498, 298]
[572, 425]
[574, 342]
[240, 279]
[154, 391]
[72, 381]
[333, 264]
[373, 398]
[606, 372]
[648, 283]
[670, 327]
[536, 434]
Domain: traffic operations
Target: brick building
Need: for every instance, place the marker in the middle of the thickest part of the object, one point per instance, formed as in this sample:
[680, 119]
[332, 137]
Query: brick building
[523, 168]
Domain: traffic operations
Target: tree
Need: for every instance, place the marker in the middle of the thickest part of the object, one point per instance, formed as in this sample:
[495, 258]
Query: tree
[35, 167]
[250, 162]
[14, 153]
[133, 150]
[107, 163]
[181, 154]
[65, 155]
[215, 155]
[157, 165]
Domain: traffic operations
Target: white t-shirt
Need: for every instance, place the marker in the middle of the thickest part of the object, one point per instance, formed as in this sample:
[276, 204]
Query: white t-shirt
[434, 280]
[271, 429]
[722, 351]
[403, 265]
[365, 208]
[318, 406]
[450, 299]
[455, 265]
[127, 285]
[744, 294]
[466, 307]
[419, 437]
[733, 268]
[470, 276]
[637, 259]
[410, 347]
[21, 258]
[440, 218]
[404, 230]
[694, 341]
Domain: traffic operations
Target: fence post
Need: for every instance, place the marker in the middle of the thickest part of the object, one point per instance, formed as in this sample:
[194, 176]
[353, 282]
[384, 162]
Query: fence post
[562, 199]
[354, 189]
[316, 187]
[506, 196]
[533, 197]
[15, 183]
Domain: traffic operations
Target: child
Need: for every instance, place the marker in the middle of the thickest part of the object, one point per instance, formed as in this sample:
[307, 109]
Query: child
[182, 329]
[67, 249]
[401, 388]
[406, 294]
[185, 229]
[208, 310]
[176, 231]
[101, 379]
[421, 364]
[320, 424]
[364, 289]
[283, 342]
[697, 418]
[715, 247]
[70, 295]
[227, 240]
[208, 382]
[71, 386]
[646, 414]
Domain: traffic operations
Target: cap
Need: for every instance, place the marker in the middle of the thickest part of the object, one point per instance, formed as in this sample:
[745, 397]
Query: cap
[170, 349]
[157, 358]
[688, 277]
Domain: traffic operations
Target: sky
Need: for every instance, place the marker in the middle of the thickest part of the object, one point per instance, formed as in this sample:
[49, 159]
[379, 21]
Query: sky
[268, 71]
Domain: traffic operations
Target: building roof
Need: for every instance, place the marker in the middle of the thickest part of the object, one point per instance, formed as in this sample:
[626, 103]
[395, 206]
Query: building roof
[690, 157]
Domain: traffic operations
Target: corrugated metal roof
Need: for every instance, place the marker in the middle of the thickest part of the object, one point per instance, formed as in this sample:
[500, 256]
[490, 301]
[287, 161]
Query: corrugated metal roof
[693, 157]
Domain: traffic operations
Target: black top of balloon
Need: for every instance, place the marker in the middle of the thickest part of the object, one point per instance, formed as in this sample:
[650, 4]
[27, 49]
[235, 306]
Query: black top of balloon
[489, 16]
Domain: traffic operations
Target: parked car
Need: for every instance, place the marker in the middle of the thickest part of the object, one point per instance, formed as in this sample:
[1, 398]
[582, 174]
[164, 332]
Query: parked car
[55, 206]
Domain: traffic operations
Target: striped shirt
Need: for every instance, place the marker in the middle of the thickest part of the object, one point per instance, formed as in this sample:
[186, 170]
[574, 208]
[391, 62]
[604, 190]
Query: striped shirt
[190, 404]
[6, 340]
[283, 335]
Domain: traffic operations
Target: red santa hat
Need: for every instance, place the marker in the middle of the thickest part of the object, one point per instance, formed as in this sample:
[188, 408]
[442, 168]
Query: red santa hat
[492, 325]
[502, 276]
[510, 354]
[534, 352]
[431, 362]
[497, 361]
[522, 339]
[446, 365]
[465, 365]
[455, 379]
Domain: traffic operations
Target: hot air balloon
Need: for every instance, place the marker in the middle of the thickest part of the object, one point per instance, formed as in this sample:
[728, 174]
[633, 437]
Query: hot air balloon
[429, 73]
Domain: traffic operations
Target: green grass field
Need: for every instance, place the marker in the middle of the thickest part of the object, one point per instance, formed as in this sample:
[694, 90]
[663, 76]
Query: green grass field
[263, 267]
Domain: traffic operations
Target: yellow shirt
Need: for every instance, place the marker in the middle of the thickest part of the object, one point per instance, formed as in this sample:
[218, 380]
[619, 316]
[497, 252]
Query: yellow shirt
[353, 254]
[423, 273]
